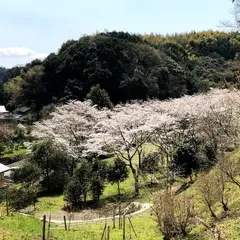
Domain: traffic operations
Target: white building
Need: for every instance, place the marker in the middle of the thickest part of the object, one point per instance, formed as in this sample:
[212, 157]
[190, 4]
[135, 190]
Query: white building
[3, 169]
[3, 109]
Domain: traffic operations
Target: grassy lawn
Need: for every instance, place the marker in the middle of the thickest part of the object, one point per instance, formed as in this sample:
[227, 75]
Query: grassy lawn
[22, 227]
[16, 153]
[19, 227]
[49, 203]
[144, 226]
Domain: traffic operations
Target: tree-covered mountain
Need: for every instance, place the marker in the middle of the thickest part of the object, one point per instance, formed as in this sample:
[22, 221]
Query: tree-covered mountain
[127, 67]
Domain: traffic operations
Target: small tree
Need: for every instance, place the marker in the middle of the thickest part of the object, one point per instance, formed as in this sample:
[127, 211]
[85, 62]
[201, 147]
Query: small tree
[84, 176]
[174, 214]
[231, 168]
[208, 187]
[19, 133]
[99, 97]
[2, 149]
[117, 173]
[98, 176]
[79, 185]
[73, 192]
[20, 197]
[53, 165]
[27, 174]
[221, 179]
[150, 164]
[185, 159]
[6, 133]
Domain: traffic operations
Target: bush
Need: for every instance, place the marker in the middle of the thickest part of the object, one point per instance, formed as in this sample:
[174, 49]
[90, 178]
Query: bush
[73, 193]
[185, 159]
[19, 198]
[174, 214]
[117, 173]
[2, 149]
[150, 164]
[99, 97]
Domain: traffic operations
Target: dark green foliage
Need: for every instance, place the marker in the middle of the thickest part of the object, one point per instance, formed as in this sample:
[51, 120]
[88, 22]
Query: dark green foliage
[118, 172]
[99, 175]
[150, 164]
[185, 160]
[127, 67]
[79, 185]
[74, 193]
[19, 198]
[27, 174]
[99, 97]
[88, 178]
[122, 64]
[52, 164]
[5, 76]
[210, 154]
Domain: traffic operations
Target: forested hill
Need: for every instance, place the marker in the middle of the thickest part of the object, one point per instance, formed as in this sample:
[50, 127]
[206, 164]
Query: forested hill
[127, 67]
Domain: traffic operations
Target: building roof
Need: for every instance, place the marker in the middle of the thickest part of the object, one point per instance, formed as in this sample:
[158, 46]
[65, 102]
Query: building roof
[3, 168]
[3, 109]
[23, 109]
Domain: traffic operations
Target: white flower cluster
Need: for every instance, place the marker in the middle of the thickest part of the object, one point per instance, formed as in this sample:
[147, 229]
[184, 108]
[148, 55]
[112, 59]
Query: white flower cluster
[80, 128]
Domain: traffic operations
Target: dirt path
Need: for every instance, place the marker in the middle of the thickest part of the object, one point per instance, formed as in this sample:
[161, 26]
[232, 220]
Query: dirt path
[79, 218]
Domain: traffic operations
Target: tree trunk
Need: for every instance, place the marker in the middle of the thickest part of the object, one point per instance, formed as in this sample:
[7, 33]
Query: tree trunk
[118, 184]
[136, 185]
[224, 206]
[212, 213]
[191, 179]
[136, 179]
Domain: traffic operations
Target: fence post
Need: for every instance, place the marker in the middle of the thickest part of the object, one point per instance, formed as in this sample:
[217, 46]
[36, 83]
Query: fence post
[44, 226]
[114, 214]
[65, 222]
[108, 233]
[124, 229]
[120, 217]
[132, 226]
[104, 231]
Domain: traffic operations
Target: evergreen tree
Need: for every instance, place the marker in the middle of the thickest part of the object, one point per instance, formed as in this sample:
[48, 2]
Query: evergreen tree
[99, 97]
[118, 173]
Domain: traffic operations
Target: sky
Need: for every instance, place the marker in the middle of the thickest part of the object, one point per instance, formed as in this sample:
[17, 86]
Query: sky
[31, 29]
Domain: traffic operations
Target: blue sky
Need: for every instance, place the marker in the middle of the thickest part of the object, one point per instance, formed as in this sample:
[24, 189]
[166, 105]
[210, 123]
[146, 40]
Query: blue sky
[30, 29]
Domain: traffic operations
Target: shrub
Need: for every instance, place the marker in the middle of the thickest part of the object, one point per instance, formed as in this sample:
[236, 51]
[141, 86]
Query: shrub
[174, 214]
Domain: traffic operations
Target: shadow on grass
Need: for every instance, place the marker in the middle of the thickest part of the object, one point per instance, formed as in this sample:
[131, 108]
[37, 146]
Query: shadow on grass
[184, 187]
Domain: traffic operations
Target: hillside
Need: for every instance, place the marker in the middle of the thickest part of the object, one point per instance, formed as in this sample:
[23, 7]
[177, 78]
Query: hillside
[161, 128]
[127, 67]
[180, 157]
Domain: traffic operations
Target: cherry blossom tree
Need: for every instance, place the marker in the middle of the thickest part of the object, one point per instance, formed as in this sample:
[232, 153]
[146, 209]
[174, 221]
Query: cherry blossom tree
[70, 127]
[82, 130]
[124, 133]
[6, 132]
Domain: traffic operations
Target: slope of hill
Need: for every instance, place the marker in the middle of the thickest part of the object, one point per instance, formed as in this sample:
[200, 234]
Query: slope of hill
[127, 67]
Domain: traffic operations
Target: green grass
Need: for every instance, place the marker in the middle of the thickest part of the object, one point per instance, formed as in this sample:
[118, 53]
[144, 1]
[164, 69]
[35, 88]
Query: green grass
[22, 227]
[15, 153]
[144, 226]
[49, 203]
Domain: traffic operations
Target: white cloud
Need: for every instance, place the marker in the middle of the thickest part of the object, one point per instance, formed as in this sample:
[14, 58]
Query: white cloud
[21, 52]
[13, 56]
